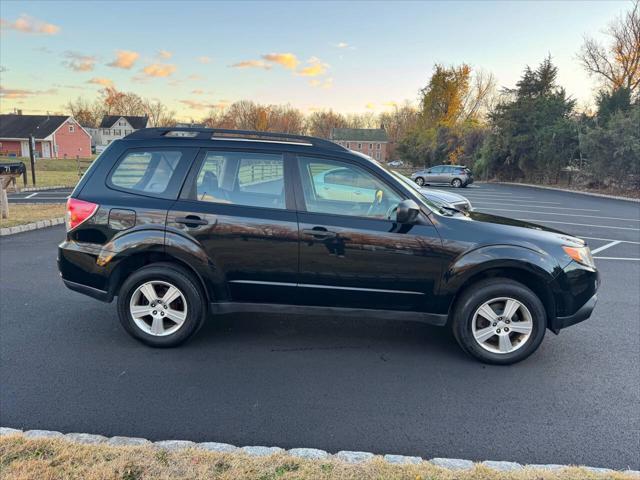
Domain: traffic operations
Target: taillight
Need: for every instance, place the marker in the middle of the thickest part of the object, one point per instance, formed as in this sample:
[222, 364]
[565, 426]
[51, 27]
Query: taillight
[79, 211]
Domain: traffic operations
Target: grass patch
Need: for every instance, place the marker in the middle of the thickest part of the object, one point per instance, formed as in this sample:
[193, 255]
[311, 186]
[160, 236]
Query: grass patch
[53, 171]
[20, 214]
[22, 459]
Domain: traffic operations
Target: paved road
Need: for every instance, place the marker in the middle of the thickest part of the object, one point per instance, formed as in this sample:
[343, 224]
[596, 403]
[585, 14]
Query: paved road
[58, 195]
[65, 364]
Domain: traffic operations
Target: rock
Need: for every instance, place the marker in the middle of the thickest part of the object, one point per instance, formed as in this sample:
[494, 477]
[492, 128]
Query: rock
[175, 444]
[309, 453]
[86, 438]
[502, 466]
[217, 447]
[402, 459]
[354, 457]
[43, 434]
[129, 441]
[258, 451]
[452, 463]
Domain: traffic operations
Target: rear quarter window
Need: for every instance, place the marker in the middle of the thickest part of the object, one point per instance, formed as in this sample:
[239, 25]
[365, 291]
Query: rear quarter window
[147, 172]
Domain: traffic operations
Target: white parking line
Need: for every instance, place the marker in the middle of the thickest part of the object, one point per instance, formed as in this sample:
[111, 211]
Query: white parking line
[533, 202]
[612, 240]
[32, 195]
[617, 258]
[604, 247]
[578, 224]
[560, 214]
[540, 206]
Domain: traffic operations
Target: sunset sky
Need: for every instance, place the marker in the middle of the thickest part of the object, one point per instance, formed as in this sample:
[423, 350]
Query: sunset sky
[352, 57]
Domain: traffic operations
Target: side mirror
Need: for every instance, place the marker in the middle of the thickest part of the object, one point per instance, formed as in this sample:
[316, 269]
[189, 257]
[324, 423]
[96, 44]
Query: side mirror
[407, 212]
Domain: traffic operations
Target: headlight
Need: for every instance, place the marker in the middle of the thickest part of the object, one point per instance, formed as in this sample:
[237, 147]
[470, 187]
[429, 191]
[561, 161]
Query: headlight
[581, 255]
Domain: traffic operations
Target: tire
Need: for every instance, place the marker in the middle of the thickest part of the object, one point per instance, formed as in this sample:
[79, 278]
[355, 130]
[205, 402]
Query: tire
[469, 323]
[181, 317]
[456, 183]
[420, 181]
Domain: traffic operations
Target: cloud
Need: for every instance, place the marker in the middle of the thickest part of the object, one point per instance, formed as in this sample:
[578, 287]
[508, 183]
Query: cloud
[390, 104]
[314, 68]
[204, 59]
[14, 93]
[79, 62]
[3, 69]
[195, 77]
[321, 83]
[124, 59]
[370, 106]
[104, 82]
[43, 50]
[198, 91]
[165, 54]
[196, 105]
[159, 70]
[287, 60]
[27, 24]
[252, 64]
[341, 45]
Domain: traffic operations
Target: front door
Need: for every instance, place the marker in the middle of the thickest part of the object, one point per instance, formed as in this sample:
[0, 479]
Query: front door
[352, 252]
[235, 206]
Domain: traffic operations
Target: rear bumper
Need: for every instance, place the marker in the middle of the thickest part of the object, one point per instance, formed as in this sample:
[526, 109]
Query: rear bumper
[77, 263]
[582, 314]
[87, 290]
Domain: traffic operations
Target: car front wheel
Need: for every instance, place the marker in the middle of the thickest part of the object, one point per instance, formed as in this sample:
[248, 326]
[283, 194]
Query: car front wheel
[499, 321]
[161, 305]
[420, 181]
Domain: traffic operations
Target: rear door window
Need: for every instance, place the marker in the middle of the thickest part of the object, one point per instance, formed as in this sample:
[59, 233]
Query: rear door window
[241, 178]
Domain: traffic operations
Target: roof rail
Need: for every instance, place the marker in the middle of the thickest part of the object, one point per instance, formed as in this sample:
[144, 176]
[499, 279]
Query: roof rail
[223, 133]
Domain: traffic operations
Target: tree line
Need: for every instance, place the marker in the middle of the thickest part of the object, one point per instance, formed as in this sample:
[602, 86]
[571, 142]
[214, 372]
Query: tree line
[531, 132]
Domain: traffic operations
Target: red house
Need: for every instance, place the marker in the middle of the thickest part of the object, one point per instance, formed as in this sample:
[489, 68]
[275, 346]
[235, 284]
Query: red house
[57, 136]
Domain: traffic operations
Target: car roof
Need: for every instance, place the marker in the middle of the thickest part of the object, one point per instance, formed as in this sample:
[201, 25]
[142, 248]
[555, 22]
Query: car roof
[189, 136]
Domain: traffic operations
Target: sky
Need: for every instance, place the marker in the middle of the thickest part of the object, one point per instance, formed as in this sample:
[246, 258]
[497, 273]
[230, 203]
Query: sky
[353, 56]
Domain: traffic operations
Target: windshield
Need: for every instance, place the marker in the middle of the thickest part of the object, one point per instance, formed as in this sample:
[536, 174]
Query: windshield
[433, 204]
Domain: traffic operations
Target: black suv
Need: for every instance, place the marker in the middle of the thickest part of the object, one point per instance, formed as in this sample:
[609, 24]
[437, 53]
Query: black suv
[180, 224]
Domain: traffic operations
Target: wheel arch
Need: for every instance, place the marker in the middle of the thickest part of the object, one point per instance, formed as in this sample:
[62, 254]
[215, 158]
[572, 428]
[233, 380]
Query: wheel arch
[520, 264]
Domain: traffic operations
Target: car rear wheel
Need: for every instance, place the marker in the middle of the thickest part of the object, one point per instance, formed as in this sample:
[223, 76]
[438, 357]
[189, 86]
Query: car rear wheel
[420, 181]
[499, 321]
[161, 305]
[456, 183]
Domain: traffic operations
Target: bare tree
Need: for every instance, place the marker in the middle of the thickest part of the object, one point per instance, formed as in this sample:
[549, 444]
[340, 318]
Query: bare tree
[617, 64]
[158, 113]
[88, 114]
[320, 124]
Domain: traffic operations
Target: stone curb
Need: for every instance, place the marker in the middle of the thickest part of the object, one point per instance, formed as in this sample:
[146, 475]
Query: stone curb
[306, 453]
[591, 194]
[31, 226]
[44, 189]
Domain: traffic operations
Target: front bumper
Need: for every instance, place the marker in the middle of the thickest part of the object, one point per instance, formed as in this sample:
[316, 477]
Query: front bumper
[582, 314]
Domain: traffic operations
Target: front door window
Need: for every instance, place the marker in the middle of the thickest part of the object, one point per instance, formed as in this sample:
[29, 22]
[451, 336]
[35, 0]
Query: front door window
[339, 188]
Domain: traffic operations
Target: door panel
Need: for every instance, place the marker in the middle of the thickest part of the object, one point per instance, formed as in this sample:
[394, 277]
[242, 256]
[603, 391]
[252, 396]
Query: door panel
[352, 254]
[235, 209]
[367, 263]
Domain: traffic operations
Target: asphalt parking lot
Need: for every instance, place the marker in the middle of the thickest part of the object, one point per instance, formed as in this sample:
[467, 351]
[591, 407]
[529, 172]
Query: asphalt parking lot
[56, 195]
[386, 387]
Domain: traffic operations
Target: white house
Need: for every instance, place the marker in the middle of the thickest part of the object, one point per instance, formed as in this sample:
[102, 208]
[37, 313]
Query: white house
[114, 127]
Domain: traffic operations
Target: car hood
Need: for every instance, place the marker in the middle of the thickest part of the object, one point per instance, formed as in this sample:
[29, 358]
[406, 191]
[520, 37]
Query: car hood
[442, 196]
[508, 223]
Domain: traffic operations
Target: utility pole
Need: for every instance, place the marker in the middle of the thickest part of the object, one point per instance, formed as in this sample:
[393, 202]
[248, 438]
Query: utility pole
[32, 156]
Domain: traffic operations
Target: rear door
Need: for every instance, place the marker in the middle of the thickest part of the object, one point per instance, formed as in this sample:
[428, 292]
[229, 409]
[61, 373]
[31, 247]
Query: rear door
[435, 175]
[235, 206]
[351, 253]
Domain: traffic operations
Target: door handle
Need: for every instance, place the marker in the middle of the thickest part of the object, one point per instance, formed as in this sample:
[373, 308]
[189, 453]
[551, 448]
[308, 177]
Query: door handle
[319, 232]
[191, 221]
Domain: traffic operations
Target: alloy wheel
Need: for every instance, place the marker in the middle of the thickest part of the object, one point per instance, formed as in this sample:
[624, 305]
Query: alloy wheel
[158, 308]
[502, 325]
